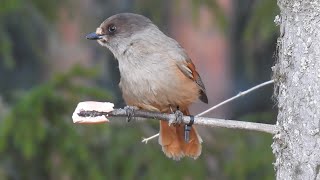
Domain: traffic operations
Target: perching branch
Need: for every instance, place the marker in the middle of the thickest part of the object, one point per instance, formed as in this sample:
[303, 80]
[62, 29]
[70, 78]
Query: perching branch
[97, 112]
[213, 122]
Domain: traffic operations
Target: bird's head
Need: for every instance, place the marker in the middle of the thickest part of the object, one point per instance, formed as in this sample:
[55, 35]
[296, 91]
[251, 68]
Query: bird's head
[119, 30]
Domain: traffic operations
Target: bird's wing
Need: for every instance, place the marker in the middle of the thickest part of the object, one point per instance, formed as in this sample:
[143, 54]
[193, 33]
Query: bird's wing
[188, 69]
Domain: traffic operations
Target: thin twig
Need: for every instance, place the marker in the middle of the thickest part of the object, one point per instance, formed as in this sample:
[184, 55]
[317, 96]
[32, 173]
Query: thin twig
[145, 140]
[237, 96]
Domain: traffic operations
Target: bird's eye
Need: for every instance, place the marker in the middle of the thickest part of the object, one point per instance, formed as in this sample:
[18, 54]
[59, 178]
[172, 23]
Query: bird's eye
[112, 28]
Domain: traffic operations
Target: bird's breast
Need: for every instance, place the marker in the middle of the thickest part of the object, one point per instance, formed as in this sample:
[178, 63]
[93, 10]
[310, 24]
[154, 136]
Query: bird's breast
[156, 83]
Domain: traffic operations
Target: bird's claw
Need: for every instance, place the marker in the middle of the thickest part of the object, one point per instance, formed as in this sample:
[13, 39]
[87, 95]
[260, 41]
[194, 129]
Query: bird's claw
[178, 117]
[130, 112]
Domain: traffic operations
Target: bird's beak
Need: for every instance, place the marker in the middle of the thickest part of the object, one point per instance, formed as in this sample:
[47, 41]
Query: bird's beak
[93, 36]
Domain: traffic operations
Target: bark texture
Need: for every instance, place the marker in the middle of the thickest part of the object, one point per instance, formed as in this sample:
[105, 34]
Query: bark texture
[297, 76]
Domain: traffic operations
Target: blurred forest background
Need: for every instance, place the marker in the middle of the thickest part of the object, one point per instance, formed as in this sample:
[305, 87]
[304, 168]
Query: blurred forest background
[47, 67]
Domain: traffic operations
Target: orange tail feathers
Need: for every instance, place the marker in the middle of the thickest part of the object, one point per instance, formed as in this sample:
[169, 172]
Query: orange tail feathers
[173, 144]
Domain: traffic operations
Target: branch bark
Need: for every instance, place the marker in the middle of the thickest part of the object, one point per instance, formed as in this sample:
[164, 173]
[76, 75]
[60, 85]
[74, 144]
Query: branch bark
[297, 79]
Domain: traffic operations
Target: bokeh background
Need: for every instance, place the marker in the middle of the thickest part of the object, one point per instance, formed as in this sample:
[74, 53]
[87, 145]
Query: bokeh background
[47, 67]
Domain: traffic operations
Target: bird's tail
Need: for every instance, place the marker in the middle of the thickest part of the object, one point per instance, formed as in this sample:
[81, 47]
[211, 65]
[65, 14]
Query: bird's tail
[173, 143]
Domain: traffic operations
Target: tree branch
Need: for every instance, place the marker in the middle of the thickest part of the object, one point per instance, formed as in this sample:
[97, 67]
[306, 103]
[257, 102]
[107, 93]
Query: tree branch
[212, 122]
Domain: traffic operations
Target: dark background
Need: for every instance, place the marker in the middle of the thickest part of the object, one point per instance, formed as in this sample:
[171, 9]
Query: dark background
[47, 67]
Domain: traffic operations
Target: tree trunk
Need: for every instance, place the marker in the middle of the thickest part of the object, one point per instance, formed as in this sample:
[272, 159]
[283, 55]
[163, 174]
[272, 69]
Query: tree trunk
[297, 76]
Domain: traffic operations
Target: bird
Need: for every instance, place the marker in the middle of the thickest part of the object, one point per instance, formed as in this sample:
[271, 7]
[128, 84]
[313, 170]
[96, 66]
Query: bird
[156, 74]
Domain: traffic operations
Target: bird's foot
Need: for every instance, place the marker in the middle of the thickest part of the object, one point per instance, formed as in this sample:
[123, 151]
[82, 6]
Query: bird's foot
[130, 112]
[178, 117]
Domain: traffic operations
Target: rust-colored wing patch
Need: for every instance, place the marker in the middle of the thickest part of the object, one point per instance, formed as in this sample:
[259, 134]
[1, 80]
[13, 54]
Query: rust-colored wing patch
[189, 70]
